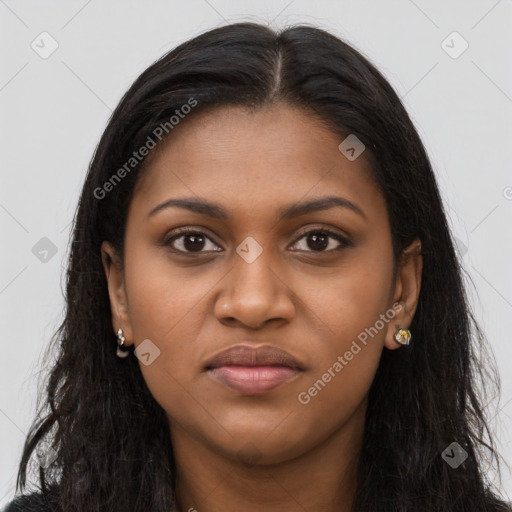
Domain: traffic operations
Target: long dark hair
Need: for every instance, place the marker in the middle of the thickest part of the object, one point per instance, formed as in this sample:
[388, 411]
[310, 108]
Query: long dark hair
[111, 439]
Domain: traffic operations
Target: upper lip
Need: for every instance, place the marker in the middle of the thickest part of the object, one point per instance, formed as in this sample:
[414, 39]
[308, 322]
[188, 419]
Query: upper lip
[244, 355]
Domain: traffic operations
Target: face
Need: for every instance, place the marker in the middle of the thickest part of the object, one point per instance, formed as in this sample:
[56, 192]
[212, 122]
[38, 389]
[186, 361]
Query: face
[316, 283]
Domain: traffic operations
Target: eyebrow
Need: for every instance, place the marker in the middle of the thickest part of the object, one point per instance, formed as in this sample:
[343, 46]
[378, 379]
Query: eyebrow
[216, 211]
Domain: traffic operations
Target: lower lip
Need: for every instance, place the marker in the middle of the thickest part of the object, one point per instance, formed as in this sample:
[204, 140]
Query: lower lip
[253, 380]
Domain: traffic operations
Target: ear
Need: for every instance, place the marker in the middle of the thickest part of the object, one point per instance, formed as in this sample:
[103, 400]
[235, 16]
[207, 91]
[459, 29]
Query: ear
[116, 290]
[406, 291]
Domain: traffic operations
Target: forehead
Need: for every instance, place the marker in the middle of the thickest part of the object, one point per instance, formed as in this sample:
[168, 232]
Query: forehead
[254, 159]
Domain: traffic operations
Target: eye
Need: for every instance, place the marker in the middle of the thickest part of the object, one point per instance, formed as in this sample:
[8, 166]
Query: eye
[318, 241]
[186, 240]
[189, 241]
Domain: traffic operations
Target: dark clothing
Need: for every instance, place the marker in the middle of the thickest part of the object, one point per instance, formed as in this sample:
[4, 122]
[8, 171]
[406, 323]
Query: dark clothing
[35, 502]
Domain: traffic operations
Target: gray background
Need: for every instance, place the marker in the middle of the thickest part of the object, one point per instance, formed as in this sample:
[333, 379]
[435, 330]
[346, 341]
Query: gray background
[54, 109]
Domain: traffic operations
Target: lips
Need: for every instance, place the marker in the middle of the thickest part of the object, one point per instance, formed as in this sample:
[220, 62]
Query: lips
[253, 370]
[243, 355]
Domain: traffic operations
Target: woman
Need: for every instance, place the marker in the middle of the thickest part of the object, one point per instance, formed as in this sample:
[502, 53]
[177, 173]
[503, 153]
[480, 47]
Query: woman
[264, 305]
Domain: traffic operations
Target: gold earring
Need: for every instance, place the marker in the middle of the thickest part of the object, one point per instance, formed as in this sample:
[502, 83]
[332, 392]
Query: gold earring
[402, 336]
[122, 351]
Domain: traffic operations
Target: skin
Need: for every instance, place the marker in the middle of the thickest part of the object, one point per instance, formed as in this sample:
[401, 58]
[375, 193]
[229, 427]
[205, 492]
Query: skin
[240, 452]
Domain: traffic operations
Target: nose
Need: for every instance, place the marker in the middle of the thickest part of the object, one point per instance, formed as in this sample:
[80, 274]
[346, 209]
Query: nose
[255, 293]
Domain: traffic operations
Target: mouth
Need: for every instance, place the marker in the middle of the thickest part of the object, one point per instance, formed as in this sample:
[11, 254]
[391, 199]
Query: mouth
[253, 371]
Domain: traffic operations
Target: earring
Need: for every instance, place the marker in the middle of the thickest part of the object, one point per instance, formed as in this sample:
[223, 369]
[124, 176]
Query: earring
[122, 351]
[402, 336]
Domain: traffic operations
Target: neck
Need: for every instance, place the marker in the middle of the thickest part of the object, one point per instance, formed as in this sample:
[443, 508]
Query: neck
[322, 479]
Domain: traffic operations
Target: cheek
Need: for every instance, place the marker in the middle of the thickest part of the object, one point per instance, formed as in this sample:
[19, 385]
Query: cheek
[352, 315]
[162, 297]
[166, 308]
[351, 299]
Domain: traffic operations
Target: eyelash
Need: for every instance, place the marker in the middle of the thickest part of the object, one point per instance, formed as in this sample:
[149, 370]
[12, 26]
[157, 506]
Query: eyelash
[182, 232]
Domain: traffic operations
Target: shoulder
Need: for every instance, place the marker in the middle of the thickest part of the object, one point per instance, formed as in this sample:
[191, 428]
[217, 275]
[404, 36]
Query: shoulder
[35, 502]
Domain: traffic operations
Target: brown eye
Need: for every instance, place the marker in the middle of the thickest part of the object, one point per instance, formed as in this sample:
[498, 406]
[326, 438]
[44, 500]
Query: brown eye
[321, 240]
[191, 242]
